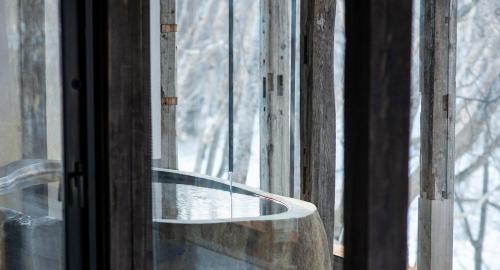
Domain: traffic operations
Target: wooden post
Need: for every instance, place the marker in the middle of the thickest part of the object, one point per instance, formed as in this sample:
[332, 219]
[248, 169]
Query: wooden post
[377, 128]
[125, 54]
[317, 109]
[275, 97]
[168, 160]
[437, 82]
[168, 101]
[33, 97]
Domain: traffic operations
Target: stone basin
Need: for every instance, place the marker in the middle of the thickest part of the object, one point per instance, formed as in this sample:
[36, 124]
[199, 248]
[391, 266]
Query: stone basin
[205, 227]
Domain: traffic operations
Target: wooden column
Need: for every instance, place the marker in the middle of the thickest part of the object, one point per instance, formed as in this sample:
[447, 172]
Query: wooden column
[127, 130]
[377, 108]
[168, 159]
[437, 136]
[317, 109]
[275, 97]
[33, 97]
[168, 101]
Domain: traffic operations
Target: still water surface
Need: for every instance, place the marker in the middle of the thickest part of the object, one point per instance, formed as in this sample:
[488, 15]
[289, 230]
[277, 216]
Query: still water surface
[189, 202]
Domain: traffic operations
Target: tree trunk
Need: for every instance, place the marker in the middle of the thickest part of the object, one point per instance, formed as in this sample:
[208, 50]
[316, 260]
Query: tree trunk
[248, 94]
[479, 243]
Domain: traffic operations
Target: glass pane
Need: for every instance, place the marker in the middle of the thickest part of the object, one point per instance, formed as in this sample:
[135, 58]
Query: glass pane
[414, 159]
[477, 149]
[201, 220]
[202, 86]
[30, 135]
[476, 232]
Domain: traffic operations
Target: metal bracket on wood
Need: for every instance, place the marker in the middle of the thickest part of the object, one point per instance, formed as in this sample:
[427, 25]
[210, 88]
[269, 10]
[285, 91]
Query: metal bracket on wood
[168, 28]
[280, 85]
[445, 102]
[270, 80]
[169, 101]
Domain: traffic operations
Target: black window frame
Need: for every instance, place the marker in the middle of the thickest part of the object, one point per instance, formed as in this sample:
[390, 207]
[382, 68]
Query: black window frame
[99, 133]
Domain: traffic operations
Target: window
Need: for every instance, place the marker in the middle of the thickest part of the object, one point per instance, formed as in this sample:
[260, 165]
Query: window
[31, 135]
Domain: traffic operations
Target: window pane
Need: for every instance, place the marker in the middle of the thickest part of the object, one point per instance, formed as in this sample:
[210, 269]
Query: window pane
[477, 149]
[201, 221]
[30, 135]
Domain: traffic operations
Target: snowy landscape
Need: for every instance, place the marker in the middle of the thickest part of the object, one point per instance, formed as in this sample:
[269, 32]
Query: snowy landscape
[202, 48]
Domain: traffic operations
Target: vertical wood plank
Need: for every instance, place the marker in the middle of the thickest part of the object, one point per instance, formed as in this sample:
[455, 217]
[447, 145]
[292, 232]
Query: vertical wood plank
[129, 135]
[435, 234]
[33, 97]
[264, 97]
[168, 84]
[275, 99]
[168, 159]
[317, 109]
[377, 108]
[437, 76]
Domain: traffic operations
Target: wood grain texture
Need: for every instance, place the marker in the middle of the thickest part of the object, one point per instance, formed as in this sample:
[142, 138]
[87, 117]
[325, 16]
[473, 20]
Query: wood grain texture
[377, 108]
[438, 94]
[275, 99]
[317, 109]
[168, 86]
[437, 76]
[168, 90]
[33, 97]
[129, 135]
[435, 234]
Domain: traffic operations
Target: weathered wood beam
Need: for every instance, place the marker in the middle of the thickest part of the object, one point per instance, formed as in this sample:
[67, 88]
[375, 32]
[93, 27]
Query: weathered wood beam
[377, 108]
[33, 97]
[127, 131]
[275, 97]
[168, 101]
[168, 29]
[317, 109]
[437, 77]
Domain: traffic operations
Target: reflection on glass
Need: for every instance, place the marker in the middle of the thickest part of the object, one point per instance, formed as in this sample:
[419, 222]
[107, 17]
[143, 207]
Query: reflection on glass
[190, 133]
[30, 135]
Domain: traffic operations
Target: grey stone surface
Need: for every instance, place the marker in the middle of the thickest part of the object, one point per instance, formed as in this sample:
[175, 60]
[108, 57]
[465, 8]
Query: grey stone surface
[291, 239]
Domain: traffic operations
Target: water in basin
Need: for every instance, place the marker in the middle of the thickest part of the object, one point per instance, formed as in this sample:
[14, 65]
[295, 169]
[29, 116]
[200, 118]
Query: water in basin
[191, 203]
